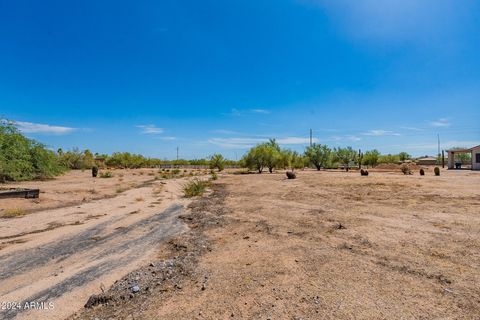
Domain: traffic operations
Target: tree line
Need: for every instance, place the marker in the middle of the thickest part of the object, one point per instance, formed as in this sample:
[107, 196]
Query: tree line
[269, 155]
[26, 159]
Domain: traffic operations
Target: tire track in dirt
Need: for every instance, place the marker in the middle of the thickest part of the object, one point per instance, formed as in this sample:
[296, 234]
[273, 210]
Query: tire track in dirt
[92, 253]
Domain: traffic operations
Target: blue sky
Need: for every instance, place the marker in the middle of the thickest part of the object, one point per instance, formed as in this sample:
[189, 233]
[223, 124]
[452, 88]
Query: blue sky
[221, 76]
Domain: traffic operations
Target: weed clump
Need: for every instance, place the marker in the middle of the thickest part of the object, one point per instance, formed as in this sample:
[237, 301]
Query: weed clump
[363, 172]
[405, 169]
[13, 213]
[195, 188]
[106, 174]
[214, 175]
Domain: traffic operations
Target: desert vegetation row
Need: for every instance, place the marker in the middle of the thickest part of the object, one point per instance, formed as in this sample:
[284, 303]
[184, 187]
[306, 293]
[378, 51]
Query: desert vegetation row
[22, 158]
[270, 155]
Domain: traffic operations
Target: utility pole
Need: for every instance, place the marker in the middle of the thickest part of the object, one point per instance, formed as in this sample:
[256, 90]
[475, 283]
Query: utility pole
[177, 154]
[310, 137]
[438, 154]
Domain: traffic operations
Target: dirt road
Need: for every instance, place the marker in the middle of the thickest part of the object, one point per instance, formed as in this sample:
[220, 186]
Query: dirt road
[60, 257]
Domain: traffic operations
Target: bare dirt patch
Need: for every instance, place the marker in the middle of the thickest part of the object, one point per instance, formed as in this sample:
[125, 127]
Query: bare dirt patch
[327, 245]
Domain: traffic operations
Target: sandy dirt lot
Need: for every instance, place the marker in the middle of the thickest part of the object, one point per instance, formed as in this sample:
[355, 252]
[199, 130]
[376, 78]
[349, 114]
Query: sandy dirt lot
[328, 245]
[76, 246]
[78, 186]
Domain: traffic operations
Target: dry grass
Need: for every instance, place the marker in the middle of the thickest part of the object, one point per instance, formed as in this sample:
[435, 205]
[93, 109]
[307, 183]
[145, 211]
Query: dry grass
[13, 213]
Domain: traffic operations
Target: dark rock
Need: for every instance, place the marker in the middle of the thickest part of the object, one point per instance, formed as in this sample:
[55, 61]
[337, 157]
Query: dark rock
[291, 175]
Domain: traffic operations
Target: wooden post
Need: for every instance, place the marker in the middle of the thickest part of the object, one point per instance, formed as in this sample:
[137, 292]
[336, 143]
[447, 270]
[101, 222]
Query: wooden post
[443, 158]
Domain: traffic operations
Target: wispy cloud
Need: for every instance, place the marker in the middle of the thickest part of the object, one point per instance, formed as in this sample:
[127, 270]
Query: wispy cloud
[380, 133]
[263, 111]
[167, 138]
[150, 129]
[343, 138]
[237, 112]
[295, 140]
[245, 143]
[240, 143]
[411, 128]
[30, 127]
[224, 131]
[440, 123]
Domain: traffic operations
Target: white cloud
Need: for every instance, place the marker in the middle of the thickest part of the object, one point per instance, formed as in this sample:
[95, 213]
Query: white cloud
[150, 129]
[295, 140]
[245, 143]
[167, 138]
[29, 127]
[242, 143]
[411, 128]
[263, 111]
[380, 133]
[440, 123]
[343, 138]
[237, 112]
[223, 131]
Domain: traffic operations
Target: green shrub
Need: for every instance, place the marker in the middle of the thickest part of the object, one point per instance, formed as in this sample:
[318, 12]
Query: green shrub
[106, 174]
[217, 162]
[195, 188]
[24, 159]
[214, 175]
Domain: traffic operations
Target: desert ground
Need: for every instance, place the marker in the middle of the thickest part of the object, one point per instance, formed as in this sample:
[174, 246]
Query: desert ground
[327, 245]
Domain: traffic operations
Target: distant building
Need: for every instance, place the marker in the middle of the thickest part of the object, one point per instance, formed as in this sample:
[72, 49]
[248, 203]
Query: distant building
[475, 156]
[427, 161]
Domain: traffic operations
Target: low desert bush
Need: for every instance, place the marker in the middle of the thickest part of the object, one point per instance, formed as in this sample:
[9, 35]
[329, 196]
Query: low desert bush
[363, 172]
[405, 169]
[13, 213]
[176, 171]
[422, 172]
[120, 189]
[195, 188]
[214, 175]
[436, 171]
[106, 174]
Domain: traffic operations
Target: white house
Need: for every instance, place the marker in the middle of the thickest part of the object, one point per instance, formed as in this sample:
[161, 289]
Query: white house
[474, 151]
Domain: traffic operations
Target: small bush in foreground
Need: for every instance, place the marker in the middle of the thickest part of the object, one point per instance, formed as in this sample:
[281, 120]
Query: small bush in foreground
[106, 174]
[405, 169]
[436, 171]
[422, 172]
[214, 175]
[13, 213]
[195, 188]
